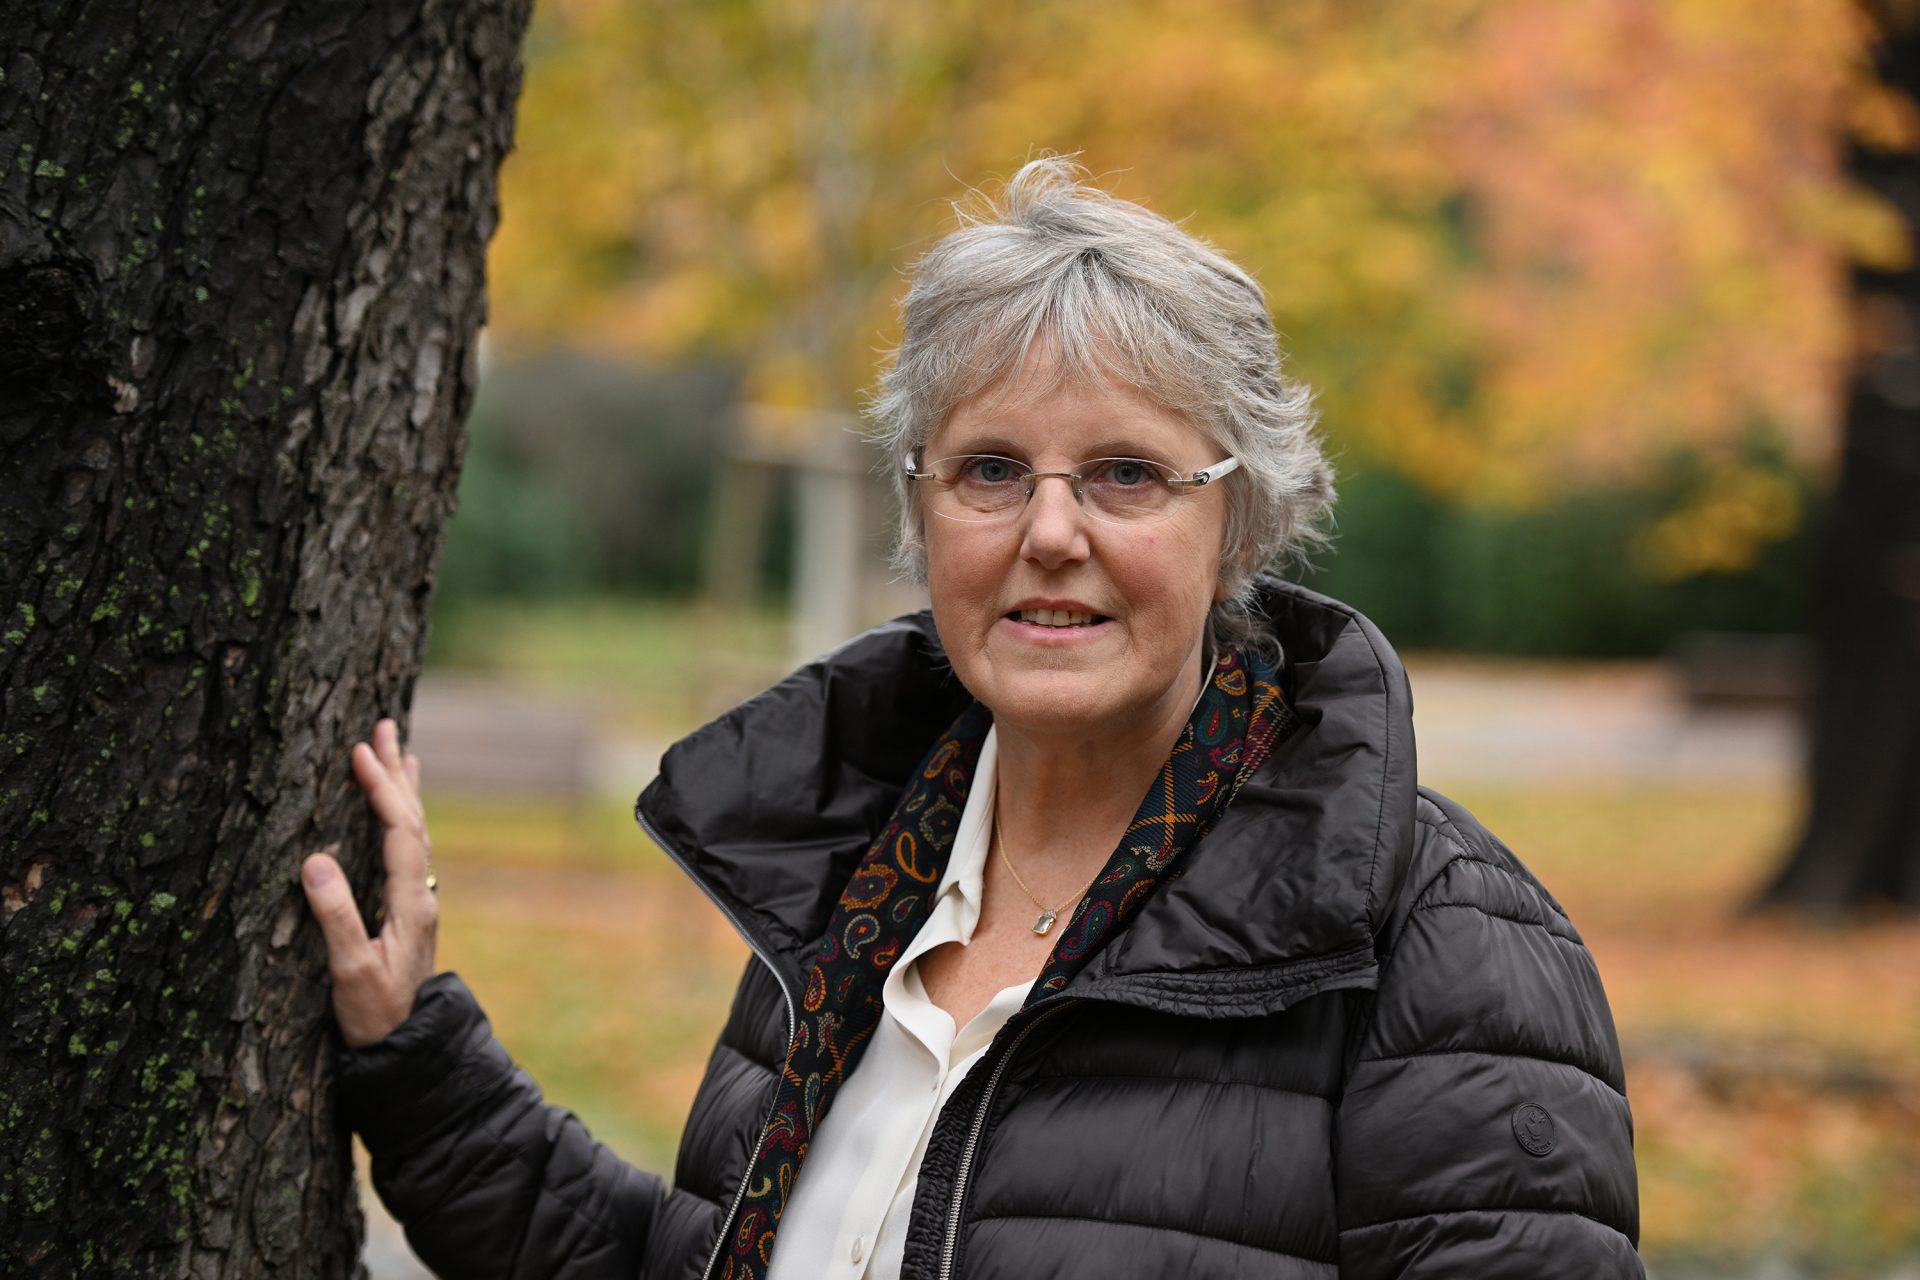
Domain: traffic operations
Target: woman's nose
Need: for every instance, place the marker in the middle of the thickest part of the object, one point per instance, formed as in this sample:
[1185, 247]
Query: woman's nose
[1054, 527]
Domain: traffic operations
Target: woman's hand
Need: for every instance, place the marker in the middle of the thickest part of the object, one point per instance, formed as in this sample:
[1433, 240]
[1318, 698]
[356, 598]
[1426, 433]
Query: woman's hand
[375, 980]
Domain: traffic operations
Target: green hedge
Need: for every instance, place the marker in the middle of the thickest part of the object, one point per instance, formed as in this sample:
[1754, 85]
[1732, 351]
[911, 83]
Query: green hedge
[1559, 581]
[586, 477]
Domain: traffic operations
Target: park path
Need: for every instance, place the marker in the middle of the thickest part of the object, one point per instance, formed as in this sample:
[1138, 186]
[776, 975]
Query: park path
[1475, 720]
[1481, 720]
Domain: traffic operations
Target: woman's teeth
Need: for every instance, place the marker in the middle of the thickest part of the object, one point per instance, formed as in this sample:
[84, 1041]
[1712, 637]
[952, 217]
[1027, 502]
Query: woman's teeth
[1055, 617]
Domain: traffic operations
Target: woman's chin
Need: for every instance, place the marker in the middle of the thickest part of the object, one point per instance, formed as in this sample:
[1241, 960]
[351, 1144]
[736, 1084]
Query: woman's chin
[1052, 702]
[1050, 681]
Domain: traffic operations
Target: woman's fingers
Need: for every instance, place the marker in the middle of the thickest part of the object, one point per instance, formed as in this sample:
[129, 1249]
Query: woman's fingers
[386, 743]
[388, 782]
[406, 776]
[406, 894]
[387, 737]
[350, 953]
[375, 981]
[392, 798]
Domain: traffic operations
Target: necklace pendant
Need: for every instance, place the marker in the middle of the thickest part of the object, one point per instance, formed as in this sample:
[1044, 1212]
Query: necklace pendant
[1044, 921]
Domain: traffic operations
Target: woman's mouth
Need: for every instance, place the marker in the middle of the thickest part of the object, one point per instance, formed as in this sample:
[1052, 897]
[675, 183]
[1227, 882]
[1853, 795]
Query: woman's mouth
[1056, 618]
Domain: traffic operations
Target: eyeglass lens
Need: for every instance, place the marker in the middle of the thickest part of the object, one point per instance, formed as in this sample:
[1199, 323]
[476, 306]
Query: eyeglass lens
[985, 486]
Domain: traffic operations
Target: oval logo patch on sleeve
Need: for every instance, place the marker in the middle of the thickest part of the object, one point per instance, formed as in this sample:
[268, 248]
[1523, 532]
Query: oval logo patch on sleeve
[1533, 1128]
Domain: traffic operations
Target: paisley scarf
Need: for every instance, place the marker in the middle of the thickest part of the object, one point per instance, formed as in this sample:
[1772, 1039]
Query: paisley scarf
[1242, 714]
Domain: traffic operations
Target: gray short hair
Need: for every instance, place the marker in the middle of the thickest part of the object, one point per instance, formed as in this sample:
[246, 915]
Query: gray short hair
[1113, 290]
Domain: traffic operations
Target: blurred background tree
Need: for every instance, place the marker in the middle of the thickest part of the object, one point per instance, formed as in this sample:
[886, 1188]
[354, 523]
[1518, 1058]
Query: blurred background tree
[1861, 842]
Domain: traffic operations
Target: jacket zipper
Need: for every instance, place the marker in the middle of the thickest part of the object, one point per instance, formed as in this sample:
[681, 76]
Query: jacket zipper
[746, 1179]
[965, 1166]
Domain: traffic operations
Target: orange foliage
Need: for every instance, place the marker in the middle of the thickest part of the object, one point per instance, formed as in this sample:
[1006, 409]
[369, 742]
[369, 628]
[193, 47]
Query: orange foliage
[1653, 178]
[1515, 245]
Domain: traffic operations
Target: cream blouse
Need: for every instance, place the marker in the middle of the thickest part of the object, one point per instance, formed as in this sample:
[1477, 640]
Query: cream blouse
[847, 1216]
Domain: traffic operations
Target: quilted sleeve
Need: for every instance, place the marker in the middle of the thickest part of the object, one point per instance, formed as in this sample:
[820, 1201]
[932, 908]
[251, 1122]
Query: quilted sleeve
[487, 1179]
[1484, 1130]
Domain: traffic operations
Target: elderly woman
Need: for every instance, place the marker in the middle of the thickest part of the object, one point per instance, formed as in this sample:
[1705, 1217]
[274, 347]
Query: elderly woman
[1100, 928]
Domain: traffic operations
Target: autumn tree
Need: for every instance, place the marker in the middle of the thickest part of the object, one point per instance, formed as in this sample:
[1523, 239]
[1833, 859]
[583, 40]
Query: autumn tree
[1861, 842]
[241, 276]
[1508, 243]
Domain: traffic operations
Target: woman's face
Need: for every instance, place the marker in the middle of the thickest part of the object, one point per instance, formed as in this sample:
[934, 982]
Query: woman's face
[1149, 585]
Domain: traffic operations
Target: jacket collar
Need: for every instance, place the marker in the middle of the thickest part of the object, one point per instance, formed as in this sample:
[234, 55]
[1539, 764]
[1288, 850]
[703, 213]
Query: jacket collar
[770, 807]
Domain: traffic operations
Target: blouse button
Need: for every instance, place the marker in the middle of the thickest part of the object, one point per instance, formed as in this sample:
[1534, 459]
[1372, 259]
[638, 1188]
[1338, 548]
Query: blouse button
[859, 1247]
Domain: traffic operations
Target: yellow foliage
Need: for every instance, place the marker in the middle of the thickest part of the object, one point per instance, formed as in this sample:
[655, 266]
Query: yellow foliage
[1884, 118]
[1739, 509]
[786, 381]
[1865, 225]
[1511, 244]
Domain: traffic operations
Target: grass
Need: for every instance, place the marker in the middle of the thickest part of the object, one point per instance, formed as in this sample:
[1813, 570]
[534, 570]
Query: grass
[609, 988]
[659, 666]
[1771, 1064]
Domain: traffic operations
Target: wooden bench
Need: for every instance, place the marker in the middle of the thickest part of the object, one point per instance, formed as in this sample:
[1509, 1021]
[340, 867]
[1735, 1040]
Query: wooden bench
[478, 737]
[1730, 670]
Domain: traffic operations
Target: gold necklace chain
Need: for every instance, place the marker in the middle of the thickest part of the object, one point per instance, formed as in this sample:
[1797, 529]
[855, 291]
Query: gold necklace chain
[1044, 921]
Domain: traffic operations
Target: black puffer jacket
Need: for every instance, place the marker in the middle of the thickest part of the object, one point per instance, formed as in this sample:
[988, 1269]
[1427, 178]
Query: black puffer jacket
[1356, 1038]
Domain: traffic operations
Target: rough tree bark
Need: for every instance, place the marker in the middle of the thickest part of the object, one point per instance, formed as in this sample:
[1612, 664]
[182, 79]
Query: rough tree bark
[1861, 844]
[241, 275]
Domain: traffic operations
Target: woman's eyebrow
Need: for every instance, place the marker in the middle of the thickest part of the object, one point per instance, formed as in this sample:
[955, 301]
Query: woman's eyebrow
[969, 443]
[1126, 448]
[1118, 447]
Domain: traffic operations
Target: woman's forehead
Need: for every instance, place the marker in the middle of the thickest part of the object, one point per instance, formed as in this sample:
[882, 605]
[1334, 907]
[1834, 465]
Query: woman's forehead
[1083, 416]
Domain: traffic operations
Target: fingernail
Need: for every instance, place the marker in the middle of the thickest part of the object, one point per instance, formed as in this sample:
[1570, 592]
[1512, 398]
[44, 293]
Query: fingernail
[319, 874]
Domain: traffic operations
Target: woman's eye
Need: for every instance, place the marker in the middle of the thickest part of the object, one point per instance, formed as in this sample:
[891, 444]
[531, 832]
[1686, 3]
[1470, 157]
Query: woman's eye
[1127, 473]
[989, 470]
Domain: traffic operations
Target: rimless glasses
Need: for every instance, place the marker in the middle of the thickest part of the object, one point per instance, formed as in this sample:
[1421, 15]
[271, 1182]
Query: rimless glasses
[982, 487]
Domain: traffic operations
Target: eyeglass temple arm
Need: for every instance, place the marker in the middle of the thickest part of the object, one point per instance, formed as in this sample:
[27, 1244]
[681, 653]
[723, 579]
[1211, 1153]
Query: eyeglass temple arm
[1207, 475]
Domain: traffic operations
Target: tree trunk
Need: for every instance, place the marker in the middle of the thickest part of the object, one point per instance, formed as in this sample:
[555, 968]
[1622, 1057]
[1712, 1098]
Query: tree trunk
[241, 275]
[1861, 844]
